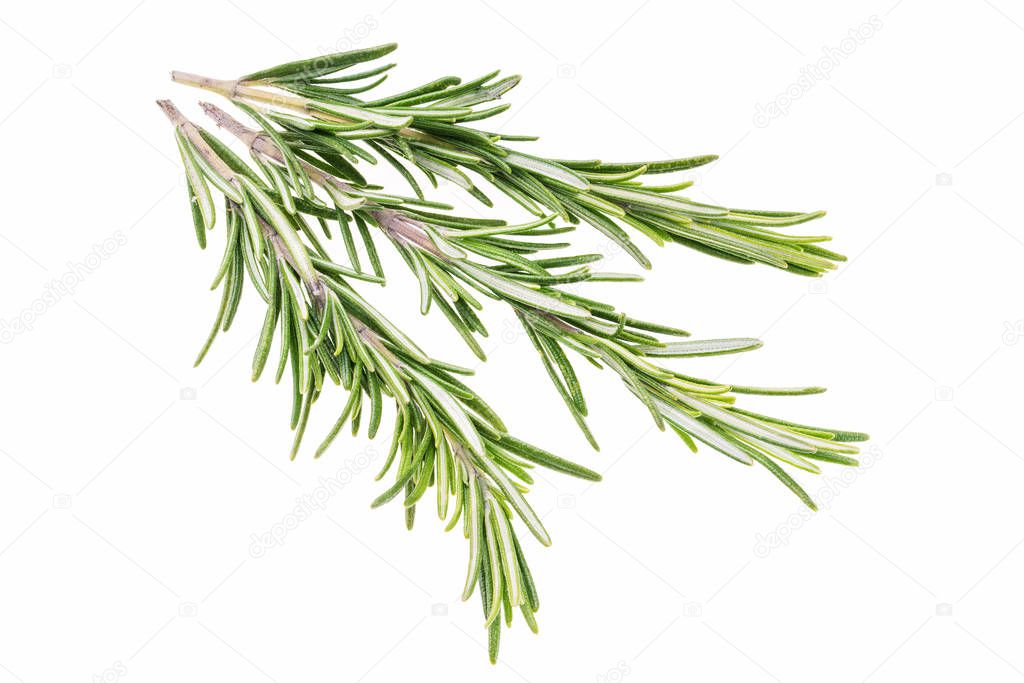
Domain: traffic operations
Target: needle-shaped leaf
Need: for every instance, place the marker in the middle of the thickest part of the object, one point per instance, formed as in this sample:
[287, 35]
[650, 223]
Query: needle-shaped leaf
[702, 347]
[703, 432]
[516, 499]
[282, 225]
[308, 69]
[199, 191]
[547, 169]
[475, 532]
[522, 294]
[450, 407]
[357, 114]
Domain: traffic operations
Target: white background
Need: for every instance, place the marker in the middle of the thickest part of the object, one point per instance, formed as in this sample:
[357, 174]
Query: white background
[131, 483]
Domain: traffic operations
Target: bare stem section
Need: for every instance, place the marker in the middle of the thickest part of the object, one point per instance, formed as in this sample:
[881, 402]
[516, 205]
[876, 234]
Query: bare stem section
[221, 87]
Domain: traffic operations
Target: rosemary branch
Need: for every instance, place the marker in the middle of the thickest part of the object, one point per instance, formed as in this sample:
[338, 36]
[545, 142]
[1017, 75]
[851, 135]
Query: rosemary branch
[556, 320]
[427, 127]
[314, 129]
[444, 435]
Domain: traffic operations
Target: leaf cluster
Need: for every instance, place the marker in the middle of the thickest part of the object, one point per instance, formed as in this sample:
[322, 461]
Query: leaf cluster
[318, 130]
[445, 436]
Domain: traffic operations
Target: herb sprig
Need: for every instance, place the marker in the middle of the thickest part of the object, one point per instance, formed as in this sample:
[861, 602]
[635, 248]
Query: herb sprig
[444, 435]
[442, 252]
[317, 127]
[324, 118]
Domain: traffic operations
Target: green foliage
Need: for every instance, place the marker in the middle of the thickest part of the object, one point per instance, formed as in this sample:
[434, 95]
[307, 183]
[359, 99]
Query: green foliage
[445, 435]
[427, 127]
[457, 259]
[316, 129]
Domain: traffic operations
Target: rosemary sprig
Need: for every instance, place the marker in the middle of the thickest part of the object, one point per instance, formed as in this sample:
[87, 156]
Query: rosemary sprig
[315, 127]
[325, 118]
[440, 251]
[444, 436]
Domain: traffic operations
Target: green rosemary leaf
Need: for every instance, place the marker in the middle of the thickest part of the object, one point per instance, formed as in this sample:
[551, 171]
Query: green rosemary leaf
[308, 69]
[199, 193]
[296, 175]
[330, 162]
[666, 166]
[208, 171]
[425, 89]
[509, 562]
[564, 378]
[612, 177]
[526, 295]
[667, 189]
[253, 264]
[702, 347]
[285, 326]
[548, 460]
[267, 332]
[442, 168]
[448, 91]
[777, 391]
[493, 640]
[517, 501]
[451, 153]
[834, 458]
[552, 171]
[484, 94]
[356, 76]
[426, 293]
[214, 330]
[402, 170]
[451, 408]
[394, 490]
[432, 113]
[329, 267]
[300, 428]
[414, 494]
[441, 479]
[703, 431]
[494, 564]
[612, 231]
[229, 253]
[502, 229]
[359, 114]
[198, 221]
[234, 285]
[276, 216]
[658, 201]
[475, 532]
[784, 477]
[392, 332]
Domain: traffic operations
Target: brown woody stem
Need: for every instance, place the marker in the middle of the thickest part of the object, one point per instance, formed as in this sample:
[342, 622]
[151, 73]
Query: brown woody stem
[191, 131]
